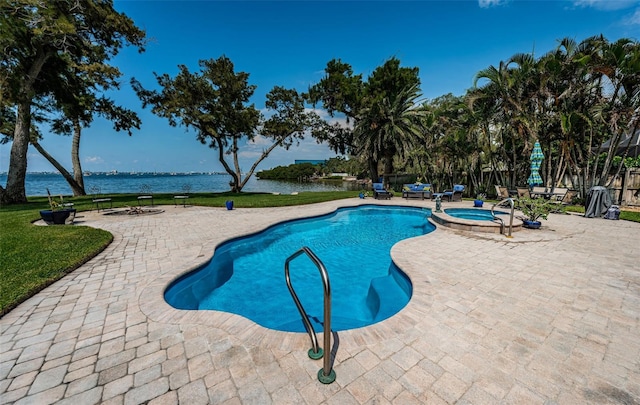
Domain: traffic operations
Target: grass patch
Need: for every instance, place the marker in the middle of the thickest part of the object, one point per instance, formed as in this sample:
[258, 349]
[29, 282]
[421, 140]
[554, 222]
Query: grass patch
[33, 256]
[633, 216]
[630, 215]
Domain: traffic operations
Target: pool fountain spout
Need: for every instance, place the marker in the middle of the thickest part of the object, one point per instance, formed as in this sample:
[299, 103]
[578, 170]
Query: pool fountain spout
[326, 374]
[438, 204]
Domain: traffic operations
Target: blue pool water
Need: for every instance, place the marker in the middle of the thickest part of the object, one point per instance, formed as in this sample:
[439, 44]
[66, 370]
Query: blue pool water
[472, 213]
[246, 275]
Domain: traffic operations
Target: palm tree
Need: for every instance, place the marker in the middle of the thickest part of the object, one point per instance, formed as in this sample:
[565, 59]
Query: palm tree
[391, 126]
[619, 62]
[505, 91]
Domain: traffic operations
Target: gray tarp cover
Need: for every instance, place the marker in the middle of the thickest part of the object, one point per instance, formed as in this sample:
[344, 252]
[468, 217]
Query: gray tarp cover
[597, 202]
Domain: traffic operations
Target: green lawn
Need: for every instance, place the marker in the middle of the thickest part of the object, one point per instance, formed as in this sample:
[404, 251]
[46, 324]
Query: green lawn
[633, 216]
[35, 256]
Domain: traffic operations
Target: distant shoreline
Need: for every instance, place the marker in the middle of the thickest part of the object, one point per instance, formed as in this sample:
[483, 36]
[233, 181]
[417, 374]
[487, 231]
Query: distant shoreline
[37, 183]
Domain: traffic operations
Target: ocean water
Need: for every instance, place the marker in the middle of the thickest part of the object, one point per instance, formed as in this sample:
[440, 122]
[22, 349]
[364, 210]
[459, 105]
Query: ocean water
[38, 183]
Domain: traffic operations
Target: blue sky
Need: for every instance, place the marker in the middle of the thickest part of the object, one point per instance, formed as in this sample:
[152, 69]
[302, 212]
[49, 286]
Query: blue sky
[288, 43]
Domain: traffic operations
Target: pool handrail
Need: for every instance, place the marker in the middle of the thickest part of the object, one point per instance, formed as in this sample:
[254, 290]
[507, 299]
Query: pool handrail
[511, 203]
[326, 374]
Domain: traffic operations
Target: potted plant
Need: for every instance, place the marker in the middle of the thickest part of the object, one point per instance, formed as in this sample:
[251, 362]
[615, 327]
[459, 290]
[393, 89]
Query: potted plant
[59, 212]
[479, 200]
[535, 209]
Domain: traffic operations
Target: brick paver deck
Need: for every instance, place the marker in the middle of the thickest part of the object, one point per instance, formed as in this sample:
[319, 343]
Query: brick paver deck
[549, 316]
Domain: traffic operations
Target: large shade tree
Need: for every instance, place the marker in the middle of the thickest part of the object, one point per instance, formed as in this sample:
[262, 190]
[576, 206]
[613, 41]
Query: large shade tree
[76, 103]
[215, 102]
[43, 41]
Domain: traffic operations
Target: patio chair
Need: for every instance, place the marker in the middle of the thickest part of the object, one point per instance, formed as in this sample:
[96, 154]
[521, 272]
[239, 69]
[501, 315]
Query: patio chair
[454, 194]
[98, 200]
[186, 188]
[502, 192]
[559, 193]
[567, 198]
[379, 192]
[523, 192]
[538, 192]
[145, 195]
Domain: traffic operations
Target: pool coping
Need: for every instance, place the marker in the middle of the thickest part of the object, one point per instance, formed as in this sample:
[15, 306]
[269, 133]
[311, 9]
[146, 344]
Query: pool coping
[470, 225]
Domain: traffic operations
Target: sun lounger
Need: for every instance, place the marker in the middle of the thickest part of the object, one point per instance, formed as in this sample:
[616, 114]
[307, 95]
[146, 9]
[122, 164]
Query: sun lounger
[454, 194]
[380, 193]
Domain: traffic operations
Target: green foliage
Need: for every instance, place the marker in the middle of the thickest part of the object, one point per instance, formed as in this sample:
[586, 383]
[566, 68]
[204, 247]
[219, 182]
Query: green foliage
[389, 80]
[338, 165]
[340, 91]
[303, 171]
[628, 162]
[536, 208]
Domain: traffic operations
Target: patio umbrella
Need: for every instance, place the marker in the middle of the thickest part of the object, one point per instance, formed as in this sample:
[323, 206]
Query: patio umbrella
[536, 161]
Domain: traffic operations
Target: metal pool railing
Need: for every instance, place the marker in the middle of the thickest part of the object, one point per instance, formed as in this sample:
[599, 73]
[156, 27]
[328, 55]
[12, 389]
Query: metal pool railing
[510, 201]
[326, 375]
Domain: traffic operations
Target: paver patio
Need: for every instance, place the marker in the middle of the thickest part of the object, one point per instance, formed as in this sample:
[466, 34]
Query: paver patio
[549, 316]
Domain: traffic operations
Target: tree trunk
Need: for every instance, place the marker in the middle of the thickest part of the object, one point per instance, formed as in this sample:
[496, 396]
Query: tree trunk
[75, 187]
[15, 192]
[373, 169]
[235, 178]
[75, 159]
[237, 183]
[388, 166]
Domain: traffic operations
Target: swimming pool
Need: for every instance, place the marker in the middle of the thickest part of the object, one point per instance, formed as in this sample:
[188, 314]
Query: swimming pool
[246, 275]
[474, 214]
